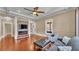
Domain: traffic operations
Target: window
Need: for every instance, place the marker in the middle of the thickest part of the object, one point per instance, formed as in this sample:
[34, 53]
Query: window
[49, 26]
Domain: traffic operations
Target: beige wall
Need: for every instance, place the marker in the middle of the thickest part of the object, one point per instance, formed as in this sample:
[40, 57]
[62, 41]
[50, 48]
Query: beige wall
[40, 26]
[63, 24]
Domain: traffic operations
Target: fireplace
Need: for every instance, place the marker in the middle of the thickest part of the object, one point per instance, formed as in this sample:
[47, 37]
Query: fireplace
[23, 26]
[23, 30]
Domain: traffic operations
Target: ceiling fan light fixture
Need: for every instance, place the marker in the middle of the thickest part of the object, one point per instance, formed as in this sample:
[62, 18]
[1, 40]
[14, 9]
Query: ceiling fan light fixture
[34, 13]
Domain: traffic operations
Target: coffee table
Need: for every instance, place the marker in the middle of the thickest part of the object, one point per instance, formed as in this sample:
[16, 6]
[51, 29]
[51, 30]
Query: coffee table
[42, 44]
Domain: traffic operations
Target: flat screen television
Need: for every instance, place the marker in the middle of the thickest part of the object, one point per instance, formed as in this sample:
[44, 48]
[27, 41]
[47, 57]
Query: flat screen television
[23, 26]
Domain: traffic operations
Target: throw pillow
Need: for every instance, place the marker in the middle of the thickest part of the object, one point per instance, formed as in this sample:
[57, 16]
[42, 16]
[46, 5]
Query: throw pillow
[66, 40]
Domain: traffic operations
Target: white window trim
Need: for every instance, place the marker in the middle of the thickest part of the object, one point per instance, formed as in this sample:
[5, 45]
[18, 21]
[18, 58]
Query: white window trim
[77, 19]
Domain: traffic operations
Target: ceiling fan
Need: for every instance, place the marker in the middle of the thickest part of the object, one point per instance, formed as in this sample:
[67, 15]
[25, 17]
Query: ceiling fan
[35, 11]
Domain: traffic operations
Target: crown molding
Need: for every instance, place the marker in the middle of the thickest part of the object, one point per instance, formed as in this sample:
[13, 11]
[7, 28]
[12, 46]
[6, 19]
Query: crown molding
[55, 12]
[15, 13]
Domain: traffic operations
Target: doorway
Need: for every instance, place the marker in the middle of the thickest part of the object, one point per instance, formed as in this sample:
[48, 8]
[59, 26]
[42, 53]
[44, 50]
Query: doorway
[7, 28]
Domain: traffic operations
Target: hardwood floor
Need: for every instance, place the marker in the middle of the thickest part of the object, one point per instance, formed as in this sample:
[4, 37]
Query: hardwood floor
[24, 44]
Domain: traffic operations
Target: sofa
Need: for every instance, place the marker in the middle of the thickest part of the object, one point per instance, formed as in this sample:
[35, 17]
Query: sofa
[65, 41]
[74, 42]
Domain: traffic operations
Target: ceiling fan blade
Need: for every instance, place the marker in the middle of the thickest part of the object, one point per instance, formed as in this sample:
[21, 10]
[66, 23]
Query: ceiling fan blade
[40, 12]
[27, 9]
[36, 8]
[35, 11]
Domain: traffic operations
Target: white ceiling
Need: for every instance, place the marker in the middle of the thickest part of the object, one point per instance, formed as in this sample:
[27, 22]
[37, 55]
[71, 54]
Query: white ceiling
[48, 11]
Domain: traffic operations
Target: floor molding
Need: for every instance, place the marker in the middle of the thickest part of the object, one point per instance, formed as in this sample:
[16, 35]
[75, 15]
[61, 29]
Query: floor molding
[41, 34]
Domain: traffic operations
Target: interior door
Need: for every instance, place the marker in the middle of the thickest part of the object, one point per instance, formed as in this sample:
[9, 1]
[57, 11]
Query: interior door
[7, 28]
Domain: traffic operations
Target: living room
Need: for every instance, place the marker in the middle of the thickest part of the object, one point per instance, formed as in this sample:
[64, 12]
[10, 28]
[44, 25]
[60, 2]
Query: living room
[22, 30]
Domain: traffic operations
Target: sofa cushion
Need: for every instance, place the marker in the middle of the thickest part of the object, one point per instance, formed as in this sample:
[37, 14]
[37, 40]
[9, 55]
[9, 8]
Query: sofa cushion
[64, 48]
[53, 48]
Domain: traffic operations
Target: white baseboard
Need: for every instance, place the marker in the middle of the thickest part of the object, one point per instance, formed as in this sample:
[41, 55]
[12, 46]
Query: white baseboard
[41, 34]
